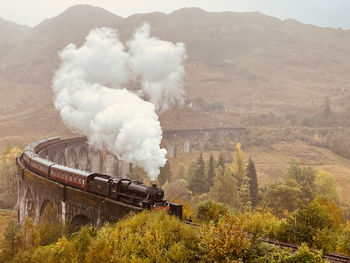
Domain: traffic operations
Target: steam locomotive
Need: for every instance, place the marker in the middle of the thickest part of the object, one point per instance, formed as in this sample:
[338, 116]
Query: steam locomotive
[131, 192]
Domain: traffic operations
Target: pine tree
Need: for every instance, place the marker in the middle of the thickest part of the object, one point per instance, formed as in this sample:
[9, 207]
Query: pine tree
[221, 161]
[211, 170]
[199, 181]
[165, 173]
[253, 182]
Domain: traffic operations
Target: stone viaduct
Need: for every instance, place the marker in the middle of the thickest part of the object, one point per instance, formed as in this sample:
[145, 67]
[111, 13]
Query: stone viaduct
[38, 196]
[199, 137]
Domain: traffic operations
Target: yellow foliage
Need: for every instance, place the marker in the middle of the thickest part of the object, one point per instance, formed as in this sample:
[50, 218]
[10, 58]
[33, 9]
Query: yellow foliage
[145, 237]
[261, 223]
[225, 242]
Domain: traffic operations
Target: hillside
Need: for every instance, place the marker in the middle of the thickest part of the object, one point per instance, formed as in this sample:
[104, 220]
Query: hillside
[242, 69]
[244, 62]
[272, 162]
[10, 35]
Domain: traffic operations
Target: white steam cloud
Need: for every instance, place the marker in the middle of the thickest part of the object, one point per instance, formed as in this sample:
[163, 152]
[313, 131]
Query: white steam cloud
[101, 90]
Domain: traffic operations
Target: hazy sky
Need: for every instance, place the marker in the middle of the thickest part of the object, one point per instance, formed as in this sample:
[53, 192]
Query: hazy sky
[333, 13]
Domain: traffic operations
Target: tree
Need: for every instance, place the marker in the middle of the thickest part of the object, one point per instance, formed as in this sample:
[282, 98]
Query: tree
[211, 170]
[225, 189]
[190, 172]
[306, 222]
[221, 161]
[177, 189]
[199, 183]
[283, 196]
[8, 172]
[239, 171]
[165, 173]
[29, 236]
[9, 245]
[239, 166]
[305, 178]
[253, 182]
[326, 187]
[181, 170]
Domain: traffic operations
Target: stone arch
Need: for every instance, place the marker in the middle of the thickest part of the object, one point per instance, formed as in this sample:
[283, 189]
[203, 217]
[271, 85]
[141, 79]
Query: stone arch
[72, 158]
[49, 213]
[78, 222]
[29, 204]
[83, 159]
[228, 140]
[61, 159]
[51, 157]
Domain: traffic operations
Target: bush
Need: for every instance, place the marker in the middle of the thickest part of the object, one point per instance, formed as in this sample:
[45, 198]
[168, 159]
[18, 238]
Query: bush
[224, 242]
[211, 211]
[145, 237]
[304, 255]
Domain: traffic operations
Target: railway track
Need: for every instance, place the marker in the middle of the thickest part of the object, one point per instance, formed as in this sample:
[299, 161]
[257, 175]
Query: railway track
[331, 257]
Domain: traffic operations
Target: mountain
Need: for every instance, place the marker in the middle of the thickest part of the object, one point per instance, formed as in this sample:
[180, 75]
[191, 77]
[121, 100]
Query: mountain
[239, 64]
[10, 34]
[34, 59]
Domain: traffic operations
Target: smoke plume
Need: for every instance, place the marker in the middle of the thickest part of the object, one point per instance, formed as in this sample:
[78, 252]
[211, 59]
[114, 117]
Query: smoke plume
[112, 93]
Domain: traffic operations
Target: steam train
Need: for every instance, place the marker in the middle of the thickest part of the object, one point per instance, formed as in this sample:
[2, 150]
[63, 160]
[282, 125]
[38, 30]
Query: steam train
[124, 190]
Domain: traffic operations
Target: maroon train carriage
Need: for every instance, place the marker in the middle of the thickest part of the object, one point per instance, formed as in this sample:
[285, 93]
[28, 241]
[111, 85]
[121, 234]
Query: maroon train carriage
[40, 166]
[26, 156]
[69, 176]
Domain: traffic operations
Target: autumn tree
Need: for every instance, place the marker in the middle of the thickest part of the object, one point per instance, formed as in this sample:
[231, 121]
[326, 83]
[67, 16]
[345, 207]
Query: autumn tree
[8, 177]
[221, 161]
[326, 186]
[211, 170]
[239, 167]
[181, 171]
[253, 182]
[199, 181]
[10, 245]
[177, 189]
[190, 172]
[305, 178]
[239, 171]
[282, 196]
[165, 173]
[225, 188]
[306, 222]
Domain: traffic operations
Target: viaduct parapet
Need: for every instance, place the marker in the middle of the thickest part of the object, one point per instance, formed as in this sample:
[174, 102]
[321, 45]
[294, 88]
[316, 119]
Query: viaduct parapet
[200, 137]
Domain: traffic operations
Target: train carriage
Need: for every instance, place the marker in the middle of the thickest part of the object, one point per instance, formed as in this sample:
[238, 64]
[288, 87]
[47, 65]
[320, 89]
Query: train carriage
[40, 166]
[69, 176]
